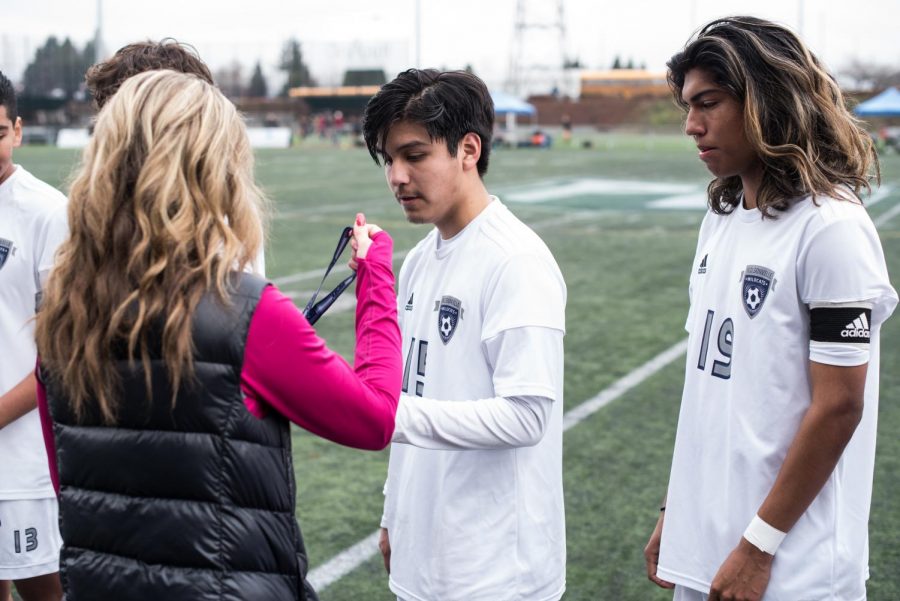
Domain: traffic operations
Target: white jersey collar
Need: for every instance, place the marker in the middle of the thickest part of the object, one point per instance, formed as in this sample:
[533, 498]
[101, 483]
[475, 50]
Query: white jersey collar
[442, 247]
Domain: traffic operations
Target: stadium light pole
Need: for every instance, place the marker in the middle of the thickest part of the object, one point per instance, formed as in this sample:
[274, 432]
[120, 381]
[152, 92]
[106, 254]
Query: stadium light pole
[418, 33]
[98, 34]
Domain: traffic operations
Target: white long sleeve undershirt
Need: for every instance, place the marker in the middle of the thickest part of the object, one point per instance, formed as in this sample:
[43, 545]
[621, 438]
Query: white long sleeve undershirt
[525, 383]
[494, 423]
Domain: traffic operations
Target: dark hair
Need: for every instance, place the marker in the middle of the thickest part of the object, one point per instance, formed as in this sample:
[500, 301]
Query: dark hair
[103, 79]
[795, 116]
[8, 98]
[449, 104]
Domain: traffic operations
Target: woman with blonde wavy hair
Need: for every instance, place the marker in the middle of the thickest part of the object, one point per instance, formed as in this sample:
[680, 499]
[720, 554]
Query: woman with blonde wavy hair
[771, 477]
[169, 376]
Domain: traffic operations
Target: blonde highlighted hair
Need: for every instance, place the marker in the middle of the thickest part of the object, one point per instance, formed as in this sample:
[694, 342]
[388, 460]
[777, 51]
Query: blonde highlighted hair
[795, 116]
[161, 210]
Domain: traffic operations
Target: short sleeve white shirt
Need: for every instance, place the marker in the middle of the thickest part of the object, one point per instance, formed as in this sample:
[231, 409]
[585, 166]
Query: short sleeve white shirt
[32, 226]
[747, 389]
[480, 525]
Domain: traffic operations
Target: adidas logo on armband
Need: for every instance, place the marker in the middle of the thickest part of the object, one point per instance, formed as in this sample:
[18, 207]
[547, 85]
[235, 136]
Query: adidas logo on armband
[858, 328]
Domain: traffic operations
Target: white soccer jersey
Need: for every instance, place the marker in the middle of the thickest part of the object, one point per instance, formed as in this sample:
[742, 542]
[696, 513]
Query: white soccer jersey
[479, 525]
[32, 225]
[747, 388]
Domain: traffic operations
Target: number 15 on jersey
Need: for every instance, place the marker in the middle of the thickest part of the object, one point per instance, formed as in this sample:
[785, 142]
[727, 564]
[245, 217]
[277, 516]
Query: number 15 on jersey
[421, 352]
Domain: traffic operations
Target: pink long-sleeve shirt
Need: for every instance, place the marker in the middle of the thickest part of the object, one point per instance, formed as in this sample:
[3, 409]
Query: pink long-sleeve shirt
[289, 369]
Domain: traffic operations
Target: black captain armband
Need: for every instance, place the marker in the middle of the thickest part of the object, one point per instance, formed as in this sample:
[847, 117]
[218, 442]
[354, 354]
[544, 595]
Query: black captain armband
[840, 323]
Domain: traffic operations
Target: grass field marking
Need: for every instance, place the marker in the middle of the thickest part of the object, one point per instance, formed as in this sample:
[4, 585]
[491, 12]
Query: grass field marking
[577, 186]
[344, 562]
[567, 218]
[324, 208]
[887, 215]
[578, 414]
[351, 558]
[878, 195]
[341, 268]
[556, 189]
[698, 200]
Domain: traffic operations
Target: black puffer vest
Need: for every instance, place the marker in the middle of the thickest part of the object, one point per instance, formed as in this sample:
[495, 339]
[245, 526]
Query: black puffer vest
[189, 503]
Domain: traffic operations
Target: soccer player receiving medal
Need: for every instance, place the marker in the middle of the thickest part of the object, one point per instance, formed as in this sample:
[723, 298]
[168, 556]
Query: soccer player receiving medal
[473, 501]
[771, 476]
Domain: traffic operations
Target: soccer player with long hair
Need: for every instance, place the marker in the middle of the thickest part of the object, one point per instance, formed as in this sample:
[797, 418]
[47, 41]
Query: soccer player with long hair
[771, 477]
[169, 375]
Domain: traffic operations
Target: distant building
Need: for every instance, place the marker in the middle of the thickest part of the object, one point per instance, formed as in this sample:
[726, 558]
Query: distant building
[623, 83]
[364, 77]
[350, 99]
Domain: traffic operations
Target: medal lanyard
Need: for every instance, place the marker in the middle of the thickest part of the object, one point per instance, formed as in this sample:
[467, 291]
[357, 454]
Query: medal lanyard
[314, 310]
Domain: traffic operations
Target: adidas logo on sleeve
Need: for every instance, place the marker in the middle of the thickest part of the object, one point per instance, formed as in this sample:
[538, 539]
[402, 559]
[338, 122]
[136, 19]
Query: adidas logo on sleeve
[840, 323]
[858, 328]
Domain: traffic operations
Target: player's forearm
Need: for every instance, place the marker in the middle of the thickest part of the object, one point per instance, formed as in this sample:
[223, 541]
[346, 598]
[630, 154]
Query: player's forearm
[18, 401]
[827, 427]
[485, 424]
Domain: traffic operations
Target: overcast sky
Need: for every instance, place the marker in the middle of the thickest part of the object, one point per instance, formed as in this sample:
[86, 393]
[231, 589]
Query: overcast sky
[338, 34]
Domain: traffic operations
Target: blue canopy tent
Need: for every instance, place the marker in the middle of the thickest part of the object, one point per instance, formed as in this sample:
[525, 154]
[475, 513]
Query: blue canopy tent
[511, 106]
[505, 104]
[886, 104]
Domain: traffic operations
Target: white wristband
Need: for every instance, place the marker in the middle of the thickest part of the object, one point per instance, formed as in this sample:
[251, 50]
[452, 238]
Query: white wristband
[763, 536]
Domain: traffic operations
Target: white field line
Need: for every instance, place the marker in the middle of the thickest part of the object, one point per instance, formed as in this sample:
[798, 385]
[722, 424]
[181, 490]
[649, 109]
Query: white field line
[341, 268]
[877, 196]
[698, 200]
[575, 416]
[887, 215]
[351, 208]
[570, 217]
[555, 190]
[348, 560]
[344, 562]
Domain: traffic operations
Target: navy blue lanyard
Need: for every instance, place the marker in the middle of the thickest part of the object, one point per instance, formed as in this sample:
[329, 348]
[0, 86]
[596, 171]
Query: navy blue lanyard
[314, 310]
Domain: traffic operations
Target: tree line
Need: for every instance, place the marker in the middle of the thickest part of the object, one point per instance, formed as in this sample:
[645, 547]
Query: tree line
[57, 71]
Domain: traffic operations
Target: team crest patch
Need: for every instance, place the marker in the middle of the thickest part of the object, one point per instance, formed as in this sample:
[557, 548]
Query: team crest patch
[6, 249]
[449, 312]
[756, 281]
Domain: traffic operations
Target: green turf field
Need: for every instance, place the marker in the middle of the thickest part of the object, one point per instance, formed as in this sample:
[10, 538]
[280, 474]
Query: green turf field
[626, 265]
